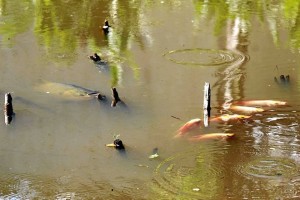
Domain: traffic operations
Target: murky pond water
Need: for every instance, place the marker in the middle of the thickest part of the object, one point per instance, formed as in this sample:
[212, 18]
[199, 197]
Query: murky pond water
[158, 54]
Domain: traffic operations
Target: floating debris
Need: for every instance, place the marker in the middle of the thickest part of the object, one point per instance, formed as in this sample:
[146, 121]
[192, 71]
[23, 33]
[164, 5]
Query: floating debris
[154, 153]
[141, 165]
[153, 156]
[175, 117]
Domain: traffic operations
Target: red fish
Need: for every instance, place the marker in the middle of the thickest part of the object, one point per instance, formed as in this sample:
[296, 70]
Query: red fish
[246, 109]
[212, 136]
[227, 117]
[264, 103]
[190, 125]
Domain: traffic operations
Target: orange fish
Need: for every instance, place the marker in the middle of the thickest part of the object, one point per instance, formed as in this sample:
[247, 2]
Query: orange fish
[190, 125]
[212, 136]
[246, 109]
[227, 117]
[264, 103]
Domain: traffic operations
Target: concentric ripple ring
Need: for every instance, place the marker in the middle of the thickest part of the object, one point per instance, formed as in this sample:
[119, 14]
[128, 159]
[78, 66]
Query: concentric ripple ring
[182, 173]
[270, 168]
[205, 57]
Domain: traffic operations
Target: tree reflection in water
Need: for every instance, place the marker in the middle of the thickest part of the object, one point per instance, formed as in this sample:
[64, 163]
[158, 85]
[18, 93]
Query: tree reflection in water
[63, 28]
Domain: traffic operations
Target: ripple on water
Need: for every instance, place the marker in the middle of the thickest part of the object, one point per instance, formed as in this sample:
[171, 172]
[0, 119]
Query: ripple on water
[269, 168]
[281, 132]
[27, 186]
[204, 57]
[192, 174]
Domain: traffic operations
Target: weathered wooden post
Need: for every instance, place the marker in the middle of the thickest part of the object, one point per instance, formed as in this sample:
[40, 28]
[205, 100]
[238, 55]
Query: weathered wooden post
[115, 96]
[106, 27]
[8, 108]
[206, 104]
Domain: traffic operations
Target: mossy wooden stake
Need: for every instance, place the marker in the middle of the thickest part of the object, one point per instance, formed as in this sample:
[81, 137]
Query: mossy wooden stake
[206, 104]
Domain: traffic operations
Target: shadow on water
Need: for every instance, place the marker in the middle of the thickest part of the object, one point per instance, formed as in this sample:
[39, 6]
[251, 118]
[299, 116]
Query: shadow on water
[102, 66]
[32, 104]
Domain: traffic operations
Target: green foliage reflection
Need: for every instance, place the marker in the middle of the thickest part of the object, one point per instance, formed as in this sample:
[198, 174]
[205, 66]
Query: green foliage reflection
[15, 18]
[275, 15]
[64, 26]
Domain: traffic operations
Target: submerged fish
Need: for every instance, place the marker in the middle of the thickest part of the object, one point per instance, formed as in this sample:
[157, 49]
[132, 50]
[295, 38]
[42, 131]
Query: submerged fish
[227, 117]
[69, 91]
[246, 109]
[264, 103]
[190, 125]
[212, 136]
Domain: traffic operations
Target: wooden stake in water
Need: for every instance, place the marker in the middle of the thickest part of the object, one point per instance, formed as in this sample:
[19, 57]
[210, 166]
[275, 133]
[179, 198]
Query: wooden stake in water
[115, 96]
[8, 108]
[206, 104]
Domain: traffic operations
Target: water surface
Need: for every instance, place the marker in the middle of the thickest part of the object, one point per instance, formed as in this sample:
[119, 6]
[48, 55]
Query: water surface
[159, 55]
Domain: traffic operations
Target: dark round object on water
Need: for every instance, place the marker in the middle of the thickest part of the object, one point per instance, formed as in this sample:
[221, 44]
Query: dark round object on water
[282, 78]
[119, 144]
[101, 97]
[97, 57]
[155, 150]
[287, 78]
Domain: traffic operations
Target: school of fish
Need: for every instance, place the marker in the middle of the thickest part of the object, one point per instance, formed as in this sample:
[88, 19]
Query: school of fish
[249, 107]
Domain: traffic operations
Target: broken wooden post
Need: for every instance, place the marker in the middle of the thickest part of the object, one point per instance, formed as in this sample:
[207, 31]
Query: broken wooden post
[206, 104]
[115, 96]
[8, 108]
[106, 27]
[119, 144]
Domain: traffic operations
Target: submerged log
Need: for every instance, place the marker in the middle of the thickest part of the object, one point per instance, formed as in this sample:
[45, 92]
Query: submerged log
[115, 96]
[206, 104]
[8, 108]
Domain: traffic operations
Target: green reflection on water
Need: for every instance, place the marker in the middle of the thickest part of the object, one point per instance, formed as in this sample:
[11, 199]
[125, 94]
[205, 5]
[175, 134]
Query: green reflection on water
[54, 28]
[15, 18]
[275, 15]
[62, 27]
